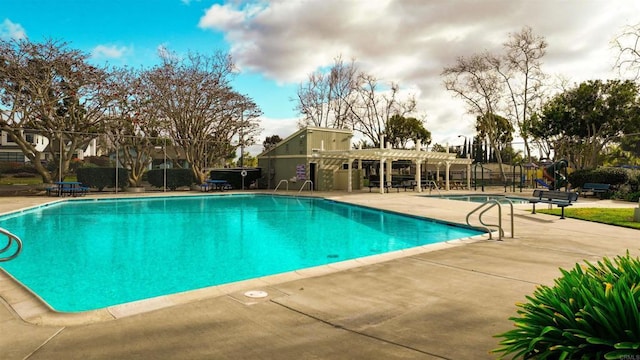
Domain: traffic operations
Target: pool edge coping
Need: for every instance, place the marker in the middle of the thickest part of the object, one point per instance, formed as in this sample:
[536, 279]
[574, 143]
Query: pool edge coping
[29, 307]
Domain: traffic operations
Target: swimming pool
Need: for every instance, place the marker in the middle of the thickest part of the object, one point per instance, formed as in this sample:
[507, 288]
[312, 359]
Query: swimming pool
[86, 254]
[483, 198]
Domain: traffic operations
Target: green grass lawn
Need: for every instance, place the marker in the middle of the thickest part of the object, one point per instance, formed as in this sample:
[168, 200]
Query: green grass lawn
[36, 180]
[9, 180]
[620, 217]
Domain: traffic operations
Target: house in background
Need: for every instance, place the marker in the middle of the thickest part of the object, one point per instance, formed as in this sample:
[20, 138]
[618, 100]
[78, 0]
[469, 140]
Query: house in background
[294, 159]
[325, 158]
[10, 152]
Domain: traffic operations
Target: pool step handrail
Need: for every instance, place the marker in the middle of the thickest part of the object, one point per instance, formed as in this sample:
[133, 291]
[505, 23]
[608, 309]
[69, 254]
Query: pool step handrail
[11, 239]
[280, 183]
[305, 183]
[435, 186]
[486, 206]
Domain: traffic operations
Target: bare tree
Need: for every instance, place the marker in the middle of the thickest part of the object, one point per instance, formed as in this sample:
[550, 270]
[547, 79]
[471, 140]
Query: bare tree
[344, 97]
[374, 107]
[48, 89]
[628, 46]
[202, 114]
[325, 98]
[520, 69]
[475, 81]
[132, 123]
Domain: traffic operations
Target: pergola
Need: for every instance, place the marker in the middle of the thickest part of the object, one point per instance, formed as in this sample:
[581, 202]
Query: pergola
[388, 155]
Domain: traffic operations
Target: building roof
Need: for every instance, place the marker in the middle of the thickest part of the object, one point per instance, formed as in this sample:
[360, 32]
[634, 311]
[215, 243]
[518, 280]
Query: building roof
[393, 154]
[373, 153]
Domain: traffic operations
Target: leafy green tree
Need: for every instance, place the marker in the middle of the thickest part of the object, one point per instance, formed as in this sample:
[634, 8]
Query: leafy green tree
[500, 126]
[438, 148]
[400, 130]
[249, 160]
[270, 141]
[582, 121]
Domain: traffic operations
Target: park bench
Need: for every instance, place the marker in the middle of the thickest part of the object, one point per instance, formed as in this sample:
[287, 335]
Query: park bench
[595, 189]
[561, 199]
[409, 184]
[387, 185]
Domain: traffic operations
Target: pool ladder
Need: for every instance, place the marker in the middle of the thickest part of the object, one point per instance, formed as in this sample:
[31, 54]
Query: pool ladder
[435, 186]
[280, 183]
[305, 183]
[11, 239]
[486, 206]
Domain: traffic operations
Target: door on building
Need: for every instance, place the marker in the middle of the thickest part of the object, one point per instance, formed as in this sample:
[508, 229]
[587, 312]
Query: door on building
[312, 175]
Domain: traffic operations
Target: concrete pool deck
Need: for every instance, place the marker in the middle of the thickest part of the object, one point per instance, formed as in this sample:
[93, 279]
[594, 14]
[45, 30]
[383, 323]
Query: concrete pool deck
[446, 303]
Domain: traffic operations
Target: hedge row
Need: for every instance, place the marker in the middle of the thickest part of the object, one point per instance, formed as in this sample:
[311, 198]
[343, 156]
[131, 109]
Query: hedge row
[101, 177]
[606, 175]
[175, 178]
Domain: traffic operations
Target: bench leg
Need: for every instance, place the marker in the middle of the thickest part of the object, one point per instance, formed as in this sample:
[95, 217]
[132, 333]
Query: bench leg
[562, 213]
[534, 208]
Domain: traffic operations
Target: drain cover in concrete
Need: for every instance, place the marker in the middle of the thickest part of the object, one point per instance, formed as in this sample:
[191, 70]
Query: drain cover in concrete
[256, 294]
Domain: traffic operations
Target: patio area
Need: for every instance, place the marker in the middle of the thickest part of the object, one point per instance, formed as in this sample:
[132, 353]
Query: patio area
[441, 304]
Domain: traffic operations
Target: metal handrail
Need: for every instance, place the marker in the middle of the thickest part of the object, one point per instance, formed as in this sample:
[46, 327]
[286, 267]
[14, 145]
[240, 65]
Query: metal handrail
[279, 183]
[493, 203]
[11, 238]
[511, 205]
[480, 216]
[429, 182]
[499, 224]
[305, 183]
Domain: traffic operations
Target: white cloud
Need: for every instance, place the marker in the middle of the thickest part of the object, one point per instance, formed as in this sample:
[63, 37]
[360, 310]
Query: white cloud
[270, 127]
[222, 17]
[108, 51]
[11, 30]
[411, 41]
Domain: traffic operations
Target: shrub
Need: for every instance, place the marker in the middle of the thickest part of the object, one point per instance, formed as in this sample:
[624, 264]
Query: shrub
[606, 175]
[592, 312]
[634, 181]
[17, 168]
[611, 175]
[175, 178]
[578, 178]
[24, 175]
[100, 161]
[100, 178]
[632, 196]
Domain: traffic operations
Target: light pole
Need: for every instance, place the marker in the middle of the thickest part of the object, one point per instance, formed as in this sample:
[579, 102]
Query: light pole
[164, 164]
[117, 162]
[164, 150]
[60, 160]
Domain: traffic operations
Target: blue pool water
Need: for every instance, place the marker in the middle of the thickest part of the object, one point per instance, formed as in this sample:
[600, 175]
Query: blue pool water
[483, 198]
[81, 255]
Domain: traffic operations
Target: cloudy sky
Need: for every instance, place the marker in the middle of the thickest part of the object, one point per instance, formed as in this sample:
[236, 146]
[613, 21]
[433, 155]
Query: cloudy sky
[277, 43]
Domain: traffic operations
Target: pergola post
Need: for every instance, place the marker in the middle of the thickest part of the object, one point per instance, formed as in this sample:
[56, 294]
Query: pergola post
[418, 174]
[447, 166]
[381, 172]
[349, 176]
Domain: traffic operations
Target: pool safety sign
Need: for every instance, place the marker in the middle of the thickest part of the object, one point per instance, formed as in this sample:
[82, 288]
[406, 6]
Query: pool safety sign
[301, 172]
